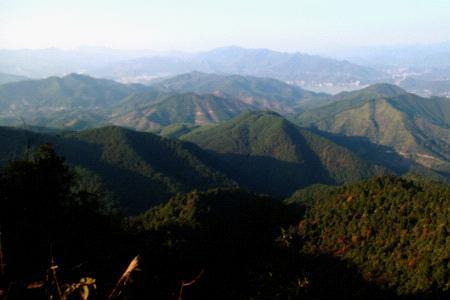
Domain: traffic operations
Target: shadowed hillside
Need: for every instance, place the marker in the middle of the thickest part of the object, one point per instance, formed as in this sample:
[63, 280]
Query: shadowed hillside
[141, 169]
[269, 154]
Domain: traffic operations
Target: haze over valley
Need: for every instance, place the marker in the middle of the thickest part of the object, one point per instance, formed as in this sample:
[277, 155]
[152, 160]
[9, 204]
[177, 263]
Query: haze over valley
[425, 71]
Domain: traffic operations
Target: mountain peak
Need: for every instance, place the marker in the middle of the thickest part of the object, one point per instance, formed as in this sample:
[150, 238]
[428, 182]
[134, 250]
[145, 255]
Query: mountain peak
[371, 92]
[385, 89]
[78, 76]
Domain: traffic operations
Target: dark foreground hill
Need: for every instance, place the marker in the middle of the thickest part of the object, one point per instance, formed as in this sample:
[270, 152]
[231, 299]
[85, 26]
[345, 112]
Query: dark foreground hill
[140, 169]
[383, 238]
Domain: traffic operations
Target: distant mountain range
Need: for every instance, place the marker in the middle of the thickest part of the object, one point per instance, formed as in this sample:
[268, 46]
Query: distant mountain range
[427, 87]
[142, 66]
[434, 55]
[5, 78]
[420, 69]
[423, 70]
[39, 63]
[298, 68]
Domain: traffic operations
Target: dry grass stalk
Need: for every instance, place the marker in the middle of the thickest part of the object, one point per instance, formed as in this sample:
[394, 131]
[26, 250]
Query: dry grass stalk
[124, 278]
[82, 286]
[185, 283]
[35, 285]
[54, 274]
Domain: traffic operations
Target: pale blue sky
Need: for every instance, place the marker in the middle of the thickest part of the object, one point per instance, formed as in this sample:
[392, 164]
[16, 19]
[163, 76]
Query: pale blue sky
[202, 24]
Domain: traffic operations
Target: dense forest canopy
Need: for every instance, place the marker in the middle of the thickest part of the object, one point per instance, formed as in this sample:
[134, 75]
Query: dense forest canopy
[381, 238]
[394, 230]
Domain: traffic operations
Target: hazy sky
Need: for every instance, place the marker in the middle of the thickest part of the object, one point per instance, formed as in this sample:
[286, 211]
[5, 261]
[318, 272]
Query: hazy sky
[203, 24]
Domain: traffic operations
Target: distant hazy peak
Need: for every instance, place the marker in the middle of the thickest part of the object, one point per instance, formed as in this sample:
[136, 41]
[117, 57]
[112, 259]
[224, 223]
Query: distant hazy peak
[385, 89]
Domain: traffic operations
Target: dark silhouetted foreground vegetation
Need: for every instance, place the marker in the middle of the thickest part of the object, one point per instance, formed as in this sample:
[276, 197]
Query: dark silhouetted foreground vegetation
[383, 238]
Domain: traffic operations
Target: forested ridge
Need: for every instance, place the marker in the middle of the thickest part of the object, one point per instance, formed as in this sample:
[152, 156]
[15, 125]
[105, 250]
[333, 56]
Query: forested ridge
[259, 151]
[395, 230]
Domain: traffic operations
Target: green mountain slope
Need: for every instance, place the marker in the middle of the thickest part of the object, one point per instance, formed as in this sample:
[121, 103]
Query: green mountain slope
[175, 131]
[263, 93]
[141, 169]
[71, 91]
[266, 153]
[58, 120]
[67, 98]
[79, 102]
[416, 128]
[188, 108]
[139, 100]
[200, 98]
[260, 151]
[394, 230]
